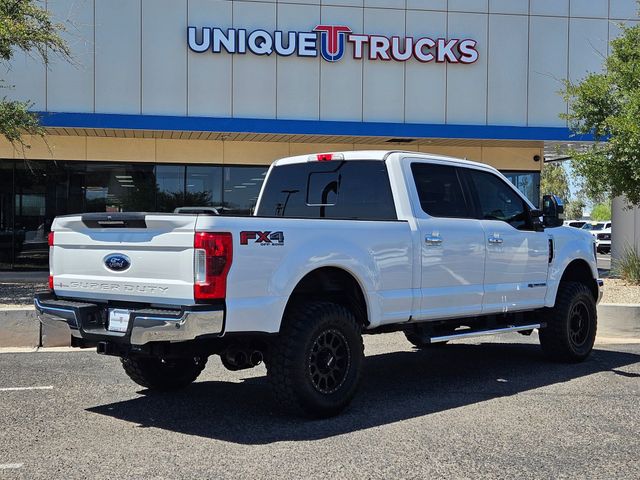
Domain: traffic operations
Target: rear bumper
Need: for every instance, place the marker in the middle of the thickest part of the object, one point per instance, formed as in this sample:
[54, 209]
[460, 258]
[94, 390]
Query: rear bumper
[89, 321]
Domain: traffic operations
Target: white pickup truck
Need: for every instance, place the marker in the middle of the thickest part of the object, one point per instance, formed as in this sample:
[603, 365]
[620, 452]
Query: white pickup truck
[340, 245]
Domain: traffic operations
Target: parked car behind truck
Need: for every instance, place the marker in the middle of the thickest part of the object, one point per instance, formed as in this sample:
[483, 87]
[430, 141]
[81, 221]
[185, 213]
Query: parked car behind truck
[601, 232]
[341, 245]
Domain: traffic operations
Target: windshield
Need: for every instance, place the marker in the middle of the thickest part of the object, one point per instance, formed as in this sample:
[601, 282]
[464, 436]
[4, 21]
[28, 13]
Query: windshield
[593, 226]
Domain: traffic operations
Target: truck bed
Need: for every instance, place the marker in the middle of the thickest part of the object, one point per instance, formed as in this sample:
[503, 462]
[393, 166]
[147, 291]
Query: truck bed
[270, 256]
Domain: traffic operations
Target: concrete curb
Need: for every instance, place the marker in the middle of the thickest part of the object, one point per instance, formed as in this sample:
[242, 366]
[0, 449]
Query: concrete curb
[619, 320]
[20, 327]
[47, 349]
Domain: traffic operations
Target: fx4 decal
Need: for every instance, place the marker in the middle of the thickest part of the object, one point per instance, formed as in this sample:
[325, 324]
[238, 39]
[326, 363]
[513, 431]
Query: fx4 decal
[263, 238]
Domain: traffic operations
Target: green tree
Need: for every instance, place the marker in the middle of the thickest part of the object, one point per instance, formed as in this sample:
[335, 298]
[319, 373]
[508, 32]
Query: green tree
[554, 181]
[608, 105]
[574, 209]
[25, 25]
[601, 211]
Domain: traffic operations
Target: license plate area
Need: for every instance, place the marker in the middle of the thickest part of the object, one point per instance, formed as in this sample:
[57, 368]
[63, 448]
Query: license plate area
[119, 320]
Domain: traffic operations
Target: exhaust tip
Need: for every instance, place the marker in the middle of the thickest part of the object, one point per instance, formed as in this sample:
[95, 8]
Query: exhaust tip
[256, 358]
[240, 359]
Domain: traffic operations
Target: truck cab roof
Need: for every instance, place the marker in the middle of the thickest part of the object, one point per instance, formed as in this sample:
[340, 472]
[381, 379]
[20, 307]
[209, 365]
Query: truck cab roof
[382, 155]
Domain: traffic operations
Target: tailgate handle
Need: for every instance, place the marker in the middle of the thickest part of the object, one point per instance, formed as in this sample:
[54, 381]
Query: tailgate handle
[114, 220]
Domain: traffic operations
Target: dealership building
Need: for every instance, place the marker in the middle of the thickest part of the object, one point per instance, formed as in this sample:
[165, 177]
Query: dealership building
[169, 103]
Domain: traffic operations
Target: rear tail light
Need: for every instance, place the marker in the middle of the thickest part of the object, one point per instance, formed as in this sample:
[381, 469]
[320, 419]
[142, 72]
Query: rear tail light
[51, 241]
[212, 261]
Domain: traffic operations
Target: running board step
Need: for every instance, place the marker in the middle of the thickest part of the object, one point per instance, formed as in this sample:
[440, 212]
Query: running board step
[480, 333]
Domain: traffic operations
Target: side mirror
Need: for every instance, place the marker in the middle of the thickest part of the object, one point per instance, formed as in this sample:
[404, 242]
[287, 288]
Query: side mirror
[552, 211]
[535, 214]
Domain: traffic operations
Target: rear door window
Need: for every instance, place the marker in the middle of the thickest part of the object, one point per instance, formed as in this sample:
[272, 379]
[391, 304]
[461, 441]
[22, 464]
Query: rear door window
[440, 191]
[357, 189]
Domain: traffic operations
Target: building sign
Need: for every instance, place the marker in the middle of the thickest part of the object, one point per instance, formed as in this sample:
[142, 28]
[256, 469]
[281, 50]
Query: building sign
[331, 42]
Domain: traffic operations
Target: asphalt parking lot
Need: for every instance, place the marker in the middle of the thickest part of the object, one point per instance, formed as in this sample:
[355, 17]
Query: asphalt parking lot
[470, 410]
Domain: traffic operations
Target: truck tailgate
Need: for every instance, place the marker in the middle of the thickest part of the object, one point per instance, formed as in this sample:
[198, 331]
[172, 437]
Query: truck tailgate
[143, 258]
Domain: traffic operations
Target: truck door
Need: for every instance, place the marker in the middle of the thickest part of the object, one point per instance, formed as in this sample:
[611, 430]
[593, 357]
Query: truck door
[452, 242]
[517, 255]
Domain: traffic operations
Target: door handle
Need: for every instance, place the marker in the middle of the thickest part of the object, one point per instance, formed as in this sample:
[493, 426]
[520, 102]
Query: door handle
[432, 240]
[495, 240]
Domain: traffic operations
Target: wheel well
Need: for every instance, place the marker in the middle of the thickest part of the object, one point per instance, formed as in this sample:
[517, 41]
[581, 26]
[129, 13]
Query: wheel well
[579, 271]
[333, 284]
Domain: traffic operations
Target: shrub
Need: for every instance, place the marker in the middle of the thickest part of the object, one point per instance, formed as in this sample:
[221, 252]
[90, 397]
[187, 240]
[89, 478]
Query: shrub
[627, 266]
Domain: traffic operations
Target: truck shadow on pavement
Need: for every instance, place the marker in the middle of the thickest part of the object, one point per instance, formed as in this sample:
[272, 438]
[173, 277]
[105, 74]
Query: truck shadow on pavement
[396, 386]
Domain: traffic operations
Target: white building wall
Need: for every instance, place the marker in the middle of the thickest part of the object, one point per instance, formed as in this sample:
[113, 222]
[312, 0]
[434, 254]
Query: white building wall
[625, 228]
[26, 79]
[338, 99]
[254, 77]
[118, 90]
[298, 79]
[209, 83]
[70, 86]
[131, 57]
[623, 9]
[467, 84]
[420, 83]
[516, 7]
[556, 8]
[508, 57]
[383, 82]
[548, 65]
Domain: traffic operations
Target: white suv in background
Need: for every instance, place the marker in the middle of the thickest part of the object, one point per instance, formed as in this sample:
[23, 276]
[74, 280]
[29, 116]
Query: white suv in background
[574, 223]
[601, 232]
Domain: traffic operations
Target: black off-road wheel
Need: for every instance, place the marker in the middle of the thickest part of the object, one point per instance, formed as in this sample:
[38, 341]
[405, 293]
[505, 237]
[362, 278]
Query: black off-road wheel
[419, 337]
[163, 374]
[571, 325]
[315, 365]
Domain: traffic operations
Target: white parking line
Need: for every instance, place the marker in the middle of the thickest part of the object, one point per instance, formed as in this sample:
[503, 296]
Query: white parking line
[18, 389]
[10, 466]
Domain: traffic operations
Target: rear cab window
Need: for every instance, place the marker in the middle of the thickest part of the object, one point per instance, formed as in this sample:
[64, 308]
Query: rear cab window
[353, 189]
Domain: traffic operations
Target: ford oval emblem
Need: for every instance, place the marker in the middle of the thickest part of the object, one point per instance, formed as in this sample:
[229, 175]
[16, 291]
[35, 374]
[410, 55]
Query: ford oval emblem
[117, 262]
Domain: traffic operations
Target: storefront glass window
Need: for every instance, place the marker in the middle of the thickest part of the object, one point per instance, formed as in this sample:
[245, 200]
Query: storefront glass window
[6, 214]
[32, 193]
[241, 189]
[40, 194]
[170, 183]
[204, 187]
[76, 172]
[119, 187]
[528, 183]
